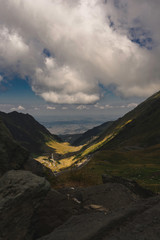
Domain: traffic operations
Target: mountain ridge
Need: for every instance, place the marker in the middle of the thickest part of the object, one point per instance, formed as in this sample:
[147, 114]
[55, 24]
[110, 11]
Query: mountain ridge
[27, 131]
[130, 148]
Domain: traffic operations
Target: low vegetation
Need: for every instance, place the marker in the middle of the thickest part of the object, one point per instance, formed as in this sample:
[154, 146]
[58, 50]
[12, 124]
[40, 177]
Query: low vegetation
[62, 148]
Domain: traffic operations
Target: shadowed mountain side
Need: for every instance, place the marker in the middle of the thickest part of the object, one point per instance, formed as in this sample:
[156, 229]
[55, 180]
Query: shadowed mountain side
[27, 131]
[142, 130]
[92, 134]
[12, 155]
[71, 138]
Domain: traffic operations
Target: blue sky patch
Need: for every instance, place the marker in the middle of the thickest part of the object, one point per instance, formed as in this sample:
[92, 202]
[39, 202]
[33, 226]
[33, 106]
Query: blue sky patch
[141, 37]
[46, 52]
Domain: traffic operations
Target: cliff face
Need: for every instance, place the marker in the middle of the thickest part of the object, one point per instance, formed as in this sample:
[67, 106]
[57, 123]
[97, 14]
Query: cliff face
[21, 193]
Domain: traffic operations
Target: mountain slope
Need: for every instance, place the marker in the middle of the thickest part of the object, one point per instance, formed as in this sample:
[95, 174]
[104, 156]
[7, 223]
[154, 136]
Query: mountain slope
[130, 148]
[143, 130]
[92, 134]
[139, 127]
[12, 155]
[27, 131]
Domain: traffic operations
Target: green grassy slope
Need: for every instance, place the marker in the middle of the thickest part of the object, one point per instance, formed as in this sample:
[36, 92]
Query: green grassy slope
[92, 134]
[130, 148]
[144, 128]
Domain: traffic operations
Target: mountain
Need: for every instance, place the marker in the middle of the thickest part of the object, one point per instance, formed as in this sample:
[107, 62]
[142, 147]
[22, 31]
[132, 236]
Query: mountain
[139, 127]
[12, 155]
[27, 131]
[130, 147]
[71, 138]
[92, 134]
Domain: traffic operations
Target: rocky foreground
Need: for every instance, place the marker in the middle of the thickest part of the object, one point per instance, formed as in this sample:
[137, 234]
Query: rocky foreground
[117, 209]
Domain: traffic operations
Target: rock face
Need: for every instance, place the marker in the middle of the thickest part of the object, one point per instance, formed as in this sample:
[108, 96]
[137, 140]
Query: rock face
[53, 212]
[20, 195]
[30, 210]
[95, 201]
[37, 168]
[138, 221]
[110, 196]
[111, 211]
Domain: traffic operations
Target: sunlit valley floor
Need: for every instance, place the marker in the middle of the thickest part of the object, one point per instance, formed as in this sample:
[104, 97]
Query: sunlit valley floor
[128, 147]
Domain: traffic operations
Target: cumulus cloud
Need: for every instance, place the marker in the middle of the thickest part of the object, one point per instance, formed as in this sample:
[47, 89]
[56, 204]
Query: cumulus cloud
[51, 108]
[132, 105]
[82, 107]
[108, 106]
[69, 48]
[19, 108]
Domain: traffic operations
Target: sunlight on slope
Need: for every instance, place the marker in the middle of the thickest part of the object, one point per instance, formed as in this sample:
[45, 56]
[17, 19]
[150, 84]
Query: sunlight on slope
[96, 146]
[54, 165]
[77, 158]
[156, 95]
[63, 148]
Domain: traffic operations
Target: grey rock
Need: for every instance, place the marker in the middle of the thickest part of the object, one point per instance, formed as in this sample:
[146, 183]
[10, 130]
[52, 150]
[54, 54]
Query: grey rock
[130, 184]
[53, 212]
[38, 169]
[133, 222]
[111, 196]
[21, 193]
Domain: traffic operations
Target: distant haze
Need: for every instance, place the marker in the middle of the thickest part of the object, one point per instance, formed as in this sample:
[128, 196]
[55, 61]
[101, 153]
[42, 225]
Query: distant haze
[70, 127]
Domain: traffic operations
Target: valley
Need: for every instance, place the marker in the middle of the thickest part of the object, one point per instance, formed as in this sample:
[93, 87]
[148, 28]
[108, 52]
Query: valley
[128, 147]
[61, 156]
[109, 176]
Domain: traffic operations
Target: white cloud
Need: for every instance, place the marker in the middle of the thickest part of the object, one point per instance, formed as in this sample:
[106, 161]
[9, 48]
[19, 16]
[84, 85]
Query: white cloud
[51, 108]
[82, 107]
[99, 106]
[108, 106]
[19, 108]
[132, 105]
[1, 78]
[64, 108]
[85, 50]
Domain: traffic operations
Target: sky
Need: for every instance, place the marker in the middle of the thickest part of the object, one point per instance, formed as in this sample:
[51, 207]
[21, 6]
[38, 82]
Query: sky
[71, 59]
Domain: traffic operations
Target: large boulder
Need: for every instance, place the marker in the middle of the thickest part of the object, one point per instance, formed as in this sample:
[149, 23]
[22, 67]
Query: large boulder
[39, 169]
[53, 212]
[21, 193]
